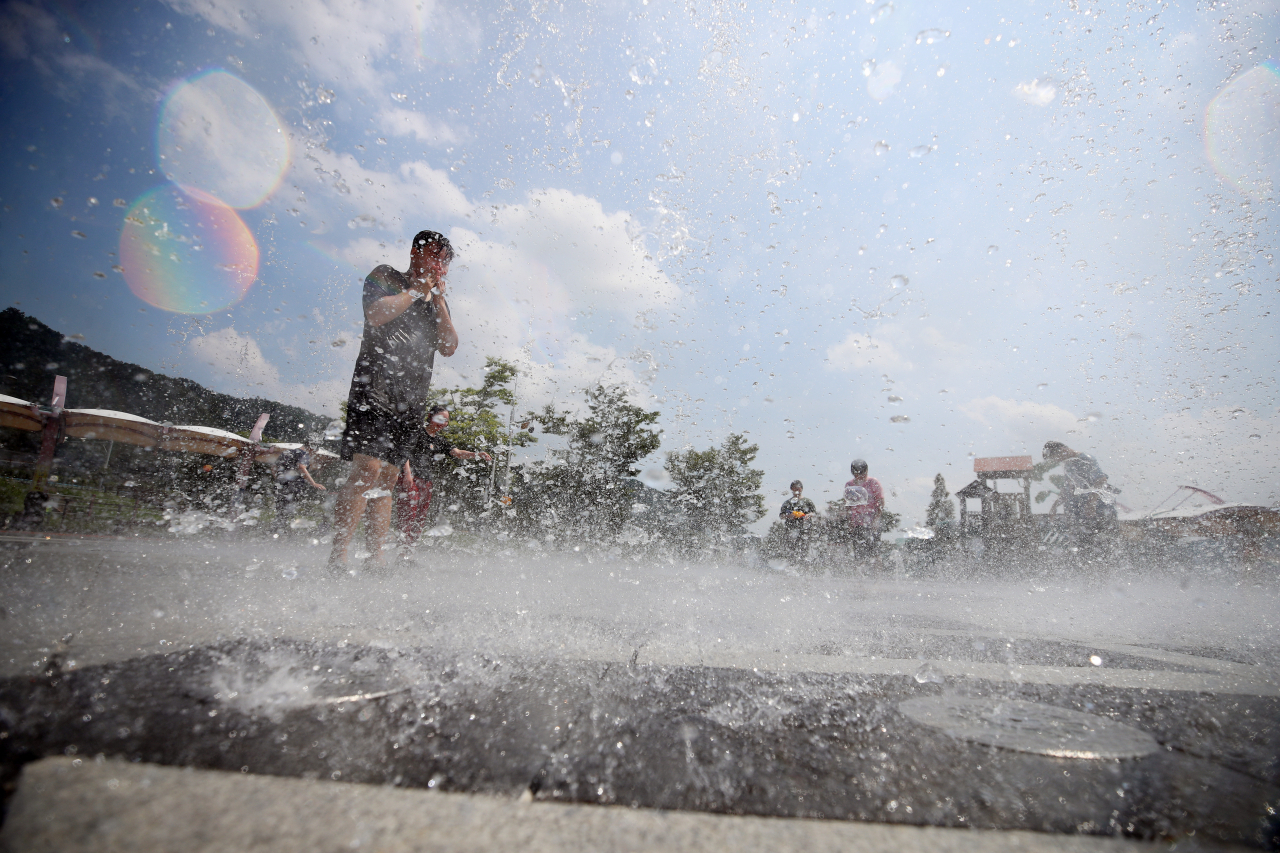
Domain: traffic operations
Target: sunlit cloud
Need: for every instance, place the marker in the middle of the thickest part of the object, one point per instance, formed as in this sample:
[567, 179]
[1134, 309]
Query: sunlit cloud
[402, 122]
[1037, 93]
[236, 364]
[337, 39]
[1025, 423]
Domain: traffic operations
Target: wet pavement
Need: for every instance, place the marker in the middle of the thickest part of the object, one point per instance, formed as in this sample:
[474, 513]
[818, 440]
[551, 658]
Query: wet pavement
[1140, 705]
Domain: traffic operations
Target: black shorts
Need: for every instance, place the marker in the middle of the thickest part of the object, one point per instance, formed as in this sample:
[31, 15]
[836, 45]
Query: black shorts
[379, 434]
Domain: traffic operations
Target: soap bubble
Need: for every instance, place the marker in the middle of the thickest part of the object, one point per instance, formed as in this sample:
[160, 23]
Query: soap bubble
[186, 254]
[1242, 131]
[219, 137]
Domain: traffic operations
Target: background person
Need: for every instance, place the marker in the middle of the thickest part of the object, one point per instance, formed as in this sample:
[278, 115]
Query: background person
[422, 469]
[406, 322]
[294, 484]
[1088, 499]
[797, 517]
[865, 500]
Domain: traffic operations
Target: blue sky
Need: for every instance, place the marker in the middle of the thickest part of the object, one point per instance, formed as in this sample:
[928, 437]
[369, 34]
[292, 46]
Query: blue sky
[903, 231]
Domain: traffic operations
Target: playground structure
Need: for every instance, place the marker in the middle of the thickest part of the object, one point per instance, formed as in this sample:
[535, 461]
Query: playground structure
[1003, 518]
[56, 424]
[1200, 520]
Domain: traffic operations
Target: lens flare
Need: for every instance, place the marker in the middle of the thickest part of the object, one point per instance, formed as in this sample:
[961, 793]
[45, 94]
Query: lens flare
[218, 136]
[1242, 131]
[186, 254]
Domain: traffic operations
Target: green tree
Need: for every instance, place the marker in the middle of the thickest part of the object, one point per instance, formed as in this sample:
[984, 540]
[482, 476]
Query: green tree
[941, 511]
[1041, 496]
[718, 490]
[584, 489]
[477, 423]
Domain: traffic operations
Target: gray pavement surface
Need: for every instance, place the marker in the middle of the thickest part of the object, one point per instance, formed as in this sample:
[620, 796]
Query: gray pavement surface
[66, 805]
[734, 688]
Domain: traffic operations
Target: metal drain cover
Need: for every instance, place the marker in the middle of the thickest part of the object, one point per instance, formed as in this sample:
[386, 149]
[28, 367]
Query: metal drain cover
[1030, 727]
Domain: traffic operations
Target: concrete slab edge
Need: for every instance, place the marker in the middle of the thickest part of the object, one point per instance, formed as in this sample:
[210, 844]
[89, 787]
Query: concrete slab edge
[108, 805]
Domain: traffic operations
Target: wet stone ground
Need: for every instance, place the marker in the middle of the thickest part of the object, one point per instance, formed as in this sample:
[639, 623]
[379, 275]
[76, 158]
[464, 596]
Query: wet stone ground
[677, 737]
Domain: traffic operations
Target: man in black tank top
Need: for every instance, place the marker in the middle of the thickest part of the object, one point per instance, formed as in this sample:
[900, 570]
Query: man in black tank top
[406, 322]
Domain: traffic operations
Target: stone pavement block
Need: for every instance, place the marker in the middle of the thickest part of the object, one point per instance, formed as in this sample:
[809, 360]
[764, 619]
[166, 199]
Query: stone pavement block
[68, 805]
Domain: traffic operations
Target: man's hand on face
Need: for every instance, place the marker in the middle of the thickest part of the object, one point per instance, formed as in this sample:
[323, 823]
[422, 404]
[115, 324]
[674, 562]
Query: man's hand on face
[427, 274]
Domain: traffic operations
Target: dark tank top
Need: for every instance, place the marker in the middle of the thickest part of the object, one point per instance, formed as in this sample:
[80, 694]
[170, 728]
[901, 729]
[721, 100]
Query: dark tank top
[393, 370]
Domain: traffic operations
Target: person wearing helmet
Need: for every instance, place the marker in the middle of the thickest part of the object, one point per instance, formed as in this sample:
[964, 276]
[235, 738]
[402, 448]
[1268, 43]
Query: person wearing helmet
[797, 514]
[865, 500]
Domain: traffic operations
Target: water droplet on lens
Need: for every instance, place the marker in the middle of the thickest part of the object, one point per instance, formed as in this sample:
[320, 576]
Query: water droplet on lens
[930, 36]
[867, 67]
[80, 235]
[882, 147]
[991, 250]
[898, 281]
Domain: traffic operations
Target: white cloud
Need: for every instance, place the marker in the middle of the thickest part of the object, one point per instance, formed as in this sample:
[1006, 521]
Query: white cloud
[1037, 93]
[883, 79]
[341, 40]
[1022, 417]
[29, 34]
[402, 122]
[586, 249]
[858, 351]
[237, 365]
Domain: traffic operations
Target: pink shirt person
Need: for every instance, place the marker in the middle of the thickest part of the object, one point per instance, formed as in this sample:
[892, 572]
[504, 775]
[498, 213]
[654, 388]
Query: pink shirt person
[865, 497]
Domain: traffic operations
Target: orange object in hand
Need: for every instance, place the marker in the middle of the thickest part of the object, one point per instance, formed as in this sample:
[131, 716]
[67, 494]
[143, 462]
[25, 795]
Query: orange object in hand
[797, 514]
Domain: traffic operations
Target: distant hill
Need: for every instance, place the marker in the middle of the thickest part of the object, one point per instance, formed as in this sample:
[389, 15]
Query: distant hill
[31, 354]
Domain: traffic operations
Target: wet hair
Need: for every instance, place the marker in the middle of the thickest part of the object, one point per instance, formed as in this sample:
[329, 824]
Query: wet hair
[1054, 450]
[433, 241]
[796, 484]
[858, 467]
[435, 410]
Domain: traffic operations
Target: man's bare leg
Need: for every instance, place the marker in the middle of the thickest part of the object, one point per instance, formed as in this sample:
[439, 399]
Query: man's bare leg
[377, 523]
[365, 474]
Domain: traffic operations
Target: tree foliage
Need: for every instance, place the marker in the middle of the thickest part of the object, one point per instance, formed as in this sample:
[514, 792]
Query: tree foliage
[476, 423]
[718, 490]
[584, 488]
[941, 511]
